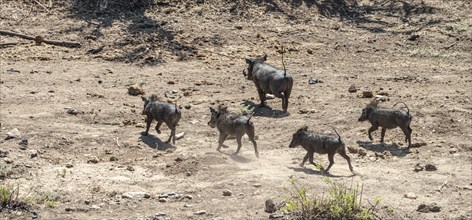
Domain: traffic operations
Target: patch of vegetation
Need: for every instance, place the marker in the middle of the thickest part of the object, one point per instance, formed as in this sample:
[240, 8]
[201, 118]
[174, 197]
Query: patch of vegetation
[341, 202]
[10, 197]
[5, 170]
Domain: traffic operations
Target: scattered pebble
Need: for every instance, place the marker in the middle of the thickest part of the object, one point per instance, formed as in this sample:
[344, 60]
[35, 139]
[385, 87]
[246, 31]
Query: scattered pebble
[69, 165]
[135, 90]
[72, 111]
[367, 94]
[162, 200]
[7, 160]
[14, 133]
[453, 150]
[433, 207]
[276, 215]
[352, 89]
[130, 168]
[113, 158]
[257, 185]
[135, 195]
[418, 168]
[201, 212]
[179, 135]
[93, 160]
[270, 206]
[23, 144]
[411, 196]
[227, 193]
[430, 167]
[33, 153]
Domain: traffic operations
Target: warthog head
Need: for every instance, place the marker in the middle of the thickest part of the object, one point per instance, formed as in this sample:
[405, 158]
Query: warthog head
[251, 62]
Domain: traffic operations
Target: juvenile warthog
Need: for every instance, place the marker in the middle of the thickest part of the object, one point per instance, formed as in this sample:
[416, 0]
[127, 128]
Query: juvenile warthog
[387, 118]
[269, 80]
[232, 124]
[321, 144]
[161, 112]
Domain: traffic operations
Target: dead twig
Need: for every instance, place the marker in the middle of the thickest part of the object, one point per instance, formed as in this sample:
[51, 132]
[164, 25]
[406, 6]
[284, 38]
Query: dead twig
[40, 39]
[3, 45]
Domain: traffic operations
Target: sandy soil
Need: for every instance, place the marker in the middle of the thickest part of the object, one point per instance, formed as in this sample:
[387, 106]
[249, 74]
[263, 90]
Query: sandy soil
[415, 52]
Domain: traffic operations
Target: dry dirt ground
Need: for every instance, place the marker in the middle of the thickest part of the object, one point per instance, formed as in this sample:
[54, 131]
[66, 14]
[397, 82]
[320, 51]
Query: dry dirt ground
[417, 52]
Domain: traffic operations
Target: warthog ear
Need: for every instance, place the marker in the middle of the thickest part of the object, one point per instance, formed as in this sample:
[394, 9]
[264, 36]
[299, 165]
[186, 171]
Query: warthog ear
[302, 129]
[212, 109]
[144, 98]
[264, 58]
[249, 61]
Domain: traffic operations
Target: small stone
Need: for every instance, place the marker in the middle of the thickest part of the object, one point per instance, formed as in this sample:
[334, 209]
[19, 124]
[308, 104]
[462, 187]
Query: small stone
[160, 214]
[14, 133]
[276, 215]
[227, 193]
[309, 51]
[168, 94]
[33, 153]
[72, 111]
[411, 195]
[453, 150]
[352, 89]
[130, 168]
[428, 208]
[179, 135]
[418, 168]
[93, 160]
[188, 196]
[179, 159]
[187, 205]
[68, 209]
[270, 206]
[7, 160]
[372, 159]
[3, 153]
[187, 106]
[257, 185]
[162, 200]
[362, 152]
[87, 202]
[135, 195]
[201, 212]
[171, 82]
[367, 94]
[430, 167]
[23, 143]
[69, 165]
[113, 158]
[100, 81]
[96, 207]
[34, 215]
[135, 90]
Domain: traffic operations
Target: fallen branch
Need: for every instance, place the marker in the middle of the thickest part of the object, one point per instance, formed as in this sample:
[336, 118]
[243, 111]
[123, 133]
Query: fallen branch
[2, 45]
[40, 39]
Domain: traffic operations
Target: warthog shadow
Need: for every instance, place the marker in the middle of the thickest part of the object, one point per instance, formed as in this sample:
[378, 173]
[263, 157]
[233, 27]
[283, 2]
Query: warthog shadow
[315, 172]
[237, 157]
[393, 148]
[154, 142]
[265, 111]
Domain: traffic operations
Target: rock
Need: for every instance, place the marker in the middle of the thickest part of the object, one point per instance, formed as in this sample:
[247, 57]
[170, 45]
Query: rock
[135, 195]
[187, 106]
[3, 153]
[7, 160]
[201, 212]
[14, 133]
[33, 153]
[188, 93]
[23, 143]
[188, 205]
[453, 150]
[188, 196]
[130, 168]
[34, 215]
[276, 215]
[411, 195]
[179, 135]
[171, 82]
[72, 111]
[93, 160]
[162, 200]
[413, 37]
[257, 185]
[314, 81]
[96, 207]
[227, 193]
[270, 206]
[309, 51]
[68, 209]
[372, 159]
[113, 158]
[430, 167]
[135, 90]
[367, 94]
[428, 208]
[179, 159]
[168, 94]
[352, 89]
[362, 152]
[418, 168]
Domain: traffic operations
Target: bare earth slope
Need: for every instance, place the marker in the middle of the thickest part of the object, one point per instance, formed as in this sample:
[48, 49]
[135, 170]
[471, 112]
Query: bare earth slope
[417, 52]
